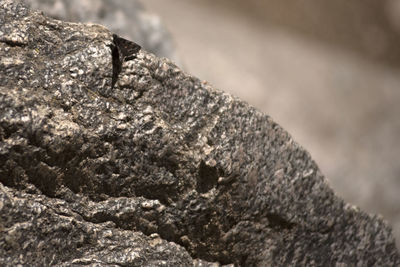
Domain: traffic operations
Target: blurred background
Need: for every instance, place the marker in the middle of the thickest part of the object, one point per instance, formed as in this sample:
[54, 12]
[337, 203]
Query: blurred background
[327, 71]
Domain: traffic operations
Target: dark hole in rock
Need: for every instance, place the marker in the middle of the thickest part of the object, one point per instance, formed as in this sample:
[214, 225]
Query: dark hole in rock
[207, 178]
[210, 142]
[277, 221]
[44, 178]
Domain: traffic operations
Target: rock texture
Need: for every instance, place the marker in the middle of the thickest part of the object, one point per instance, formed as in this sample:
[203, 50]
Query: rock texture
[158, 170]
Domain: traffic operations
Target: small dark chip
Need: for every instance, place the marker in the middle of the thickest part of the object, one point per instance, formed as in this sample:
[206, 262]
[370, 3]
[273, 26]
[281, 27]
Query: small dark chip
[122, 50]
[127, 49]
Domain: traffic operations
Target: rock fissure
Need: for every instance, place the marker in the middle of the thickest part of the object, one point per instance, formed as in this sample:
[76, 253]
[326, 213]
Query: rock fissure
[13, 43]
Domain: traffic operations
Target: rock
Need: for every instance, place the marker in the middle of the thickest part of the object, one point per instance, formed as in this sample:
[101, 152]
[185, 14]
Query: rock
[127, 18]
[158, 170]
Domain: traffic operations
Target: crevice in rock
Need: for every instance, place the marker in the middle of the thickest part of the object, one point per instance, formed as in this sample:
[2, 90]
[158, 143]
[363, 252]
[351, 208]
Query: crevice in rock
[116, 64]
[207, 178]
[278, 222]
[12, 43]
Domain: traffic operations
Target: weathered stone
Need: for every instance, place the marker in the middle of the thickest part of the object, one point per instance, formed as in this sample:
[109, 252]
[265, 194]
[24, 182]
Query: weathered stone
[158, 170]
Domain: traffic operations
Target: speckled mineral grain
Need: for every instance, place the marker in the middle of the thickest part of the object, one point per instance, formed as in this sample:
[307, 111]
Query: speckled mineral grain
[158, 170]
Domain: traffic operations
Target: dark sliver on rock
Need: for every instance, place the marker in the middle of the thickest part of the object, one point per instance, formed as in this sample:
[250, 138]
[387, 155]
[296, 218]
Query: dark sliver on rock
[122, 50]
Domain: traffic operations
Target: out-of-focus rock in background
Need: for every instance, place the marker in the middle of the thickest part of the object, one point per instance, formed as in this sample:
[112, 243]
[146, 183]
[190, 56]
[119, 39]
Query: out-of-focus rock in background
[126, 18]
[327, 71]
[371, 28]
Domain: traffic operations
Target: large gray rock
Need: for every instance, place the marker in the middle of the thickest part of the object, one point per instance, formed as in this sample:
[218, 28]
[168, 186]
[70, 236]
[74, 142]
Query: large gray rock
[159, 169]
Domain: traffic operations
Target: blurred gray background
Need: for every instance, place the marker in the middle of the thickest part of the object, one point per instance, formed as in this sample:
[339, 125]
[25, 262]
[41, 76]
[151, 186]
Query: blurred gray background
[327, 71]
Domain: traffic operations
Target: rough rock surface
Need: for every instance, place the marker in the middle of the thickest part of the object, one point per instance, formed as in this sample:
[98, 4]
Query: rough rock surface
[160, 170]
[127, 18]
